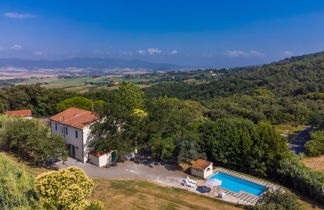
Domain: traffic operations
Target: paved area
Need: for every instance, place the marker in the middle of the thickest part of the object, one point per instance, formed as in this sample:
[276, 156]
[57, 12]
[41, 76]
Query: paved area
[297, 144]
[163, 174]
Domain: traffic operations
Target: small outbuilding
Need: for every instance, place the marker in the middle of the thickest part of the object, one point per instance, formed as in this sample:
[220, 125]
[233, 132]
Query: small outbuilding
[202, 168]
[102, 159]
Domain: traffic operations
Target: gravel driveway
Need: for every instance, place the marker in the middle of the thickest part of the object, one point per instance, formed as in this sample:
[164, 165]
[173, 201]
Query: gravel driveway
[162, 174]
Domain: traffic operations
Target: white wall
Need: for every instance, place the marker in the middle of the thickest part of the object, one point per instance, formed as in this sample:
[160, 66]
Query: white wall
[102, 160]
[203, 174]
[70, 138]
[87, 139]
[208, 171]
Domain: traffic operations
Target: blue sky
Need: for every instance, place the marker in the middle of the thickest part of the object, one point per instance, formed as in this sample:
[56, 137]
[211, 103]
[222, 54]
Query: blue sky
[216, 33]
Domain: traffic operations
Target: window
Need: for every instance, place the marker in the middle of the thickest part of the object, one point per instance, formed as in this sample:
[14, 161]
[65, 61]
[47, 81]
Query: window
[66, 131]
[76, 134]
[55, 126]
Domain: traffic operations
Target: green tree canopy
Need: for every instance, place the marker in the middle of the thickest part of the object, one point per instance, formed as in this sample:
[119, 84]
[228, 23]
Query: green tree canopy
[243, 145]
[129, 96]
[31, 140]
[80, 102]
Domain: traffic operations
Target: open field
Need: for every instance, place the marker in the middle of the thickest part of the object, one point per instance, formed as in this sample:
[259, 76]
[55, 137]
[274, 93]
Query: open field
[315, 163]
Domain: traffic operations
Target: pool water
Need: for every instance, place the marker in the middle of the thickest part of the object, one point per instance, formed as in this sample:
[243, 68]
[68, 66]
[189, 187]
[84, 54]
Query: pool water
[236, 184]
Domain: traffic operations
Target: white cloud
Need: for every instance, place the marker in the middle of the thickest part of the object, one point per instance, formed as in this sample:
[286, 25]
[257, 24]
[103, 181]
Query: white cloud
[255, 53]
[142, 52]
[150, 51]
[174, 52]
[18, 15]
[287, 53]
[38, 53]
[153, 51]
[16, 47]
[236, 53]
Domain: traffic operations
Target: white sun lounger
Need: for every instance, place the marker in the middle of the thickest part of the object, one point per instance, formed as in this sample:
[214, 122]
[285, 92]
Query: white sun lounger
[187, 183]
[191, 180]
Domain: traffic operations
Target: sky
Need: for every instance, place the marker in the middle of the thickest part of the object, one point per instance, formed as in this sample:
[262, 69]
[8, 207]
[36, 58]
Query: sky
[201, 33]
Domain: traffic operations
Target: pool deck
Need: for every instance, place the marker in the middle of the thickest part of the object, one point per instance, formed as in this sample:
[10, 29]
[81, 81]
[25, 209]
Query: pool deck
[241, 197]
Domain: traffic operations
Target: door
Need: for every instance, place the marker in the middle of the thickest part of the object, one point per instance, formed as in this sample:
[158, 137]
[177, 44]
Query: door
[73, 151]
[113, 157]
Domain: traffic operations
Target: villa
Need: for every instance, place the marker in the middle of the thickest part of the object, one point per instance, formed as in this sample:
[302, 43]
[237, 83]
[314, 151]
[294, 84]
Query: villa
[26, 113]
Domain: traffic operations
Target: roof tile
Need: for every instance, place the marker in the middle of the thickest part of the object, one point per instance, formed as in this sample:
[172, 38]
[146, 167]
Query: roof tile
[200, 164]
[20, 113]
[75, 117]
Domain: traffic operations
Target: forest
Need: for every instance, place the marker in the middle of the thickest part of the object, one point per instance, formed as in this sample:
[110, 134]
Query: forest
[228, 119]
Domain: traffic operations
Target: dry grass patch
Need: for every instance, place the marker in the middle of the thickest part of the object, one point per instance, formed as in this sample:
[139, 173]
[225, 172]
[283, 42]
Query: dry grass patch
[316, 163]
[136, 194]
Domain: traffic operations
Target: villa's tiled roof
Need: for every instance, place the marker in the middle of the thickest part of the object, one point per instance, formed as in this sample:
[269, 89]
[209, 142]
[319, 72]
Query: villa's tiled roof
[201, 164]
[20, 113]
[75, 117]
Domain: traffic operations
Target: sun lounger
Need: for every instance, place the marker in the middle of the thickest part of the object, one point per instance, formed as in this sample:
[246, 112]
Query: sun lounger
[187, 183]
[191, 180]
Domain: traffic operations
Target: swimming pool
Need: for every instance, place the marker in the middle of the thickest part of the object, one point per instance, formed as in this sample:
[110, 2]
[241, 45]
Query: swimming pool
[236, 184]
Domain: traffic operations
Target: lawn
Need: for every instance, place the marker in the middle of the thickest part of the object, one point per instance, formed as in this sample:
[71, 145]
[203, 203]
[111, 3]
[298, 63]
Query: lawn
[136, 194]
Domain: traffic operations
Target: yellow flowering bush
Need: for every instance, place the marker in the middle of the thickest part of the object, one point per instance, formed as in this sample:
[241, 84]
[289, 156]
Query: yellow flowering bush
[64, 189]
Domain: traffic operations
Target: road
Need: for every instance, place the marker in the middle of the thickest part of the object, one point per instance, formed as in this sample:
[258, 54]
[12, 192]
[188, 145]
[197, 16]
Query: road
[297, 144]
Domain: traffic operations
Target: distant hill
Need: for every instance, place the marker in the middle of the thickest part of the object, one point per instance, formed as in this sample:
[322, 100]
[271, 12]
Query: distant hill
[293, 76]
[89, 63]
[305, 57]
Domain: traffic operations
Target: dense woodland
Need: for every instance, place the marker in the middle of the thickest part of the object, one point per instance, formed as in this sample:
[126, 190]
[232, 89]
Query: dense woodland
[226, 119]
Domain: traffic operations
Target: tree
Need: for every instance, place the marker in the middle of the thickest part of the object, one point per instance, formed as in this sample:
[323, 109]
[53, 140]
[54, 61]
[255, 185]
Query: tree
[277, 200]
[65, 189]
[317, 119]
[187, 149]
[80, 102]
[162, 147]
[315, 146]
[32, 140]
[122, 127]
[129, 96]
[250, 147]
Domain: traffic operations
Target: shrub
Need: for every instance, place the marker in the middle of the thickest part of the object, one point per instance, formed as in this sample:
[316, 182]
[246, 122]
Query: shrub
[65, 189]
[16, 187]
[277, 200]
[295, 175]
[315, 146]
